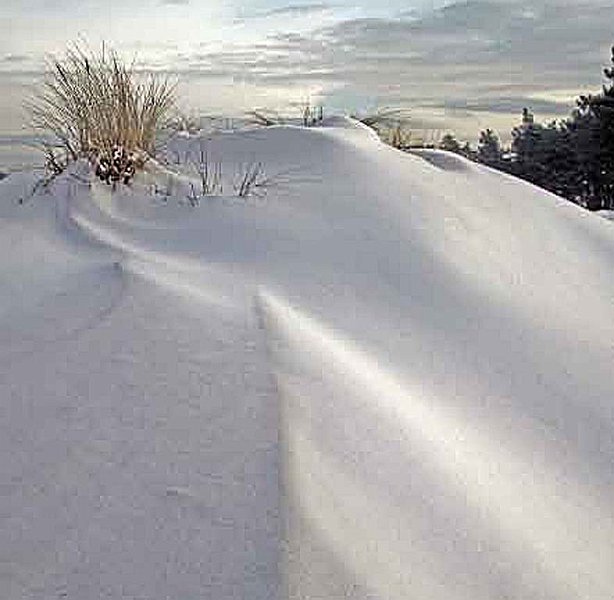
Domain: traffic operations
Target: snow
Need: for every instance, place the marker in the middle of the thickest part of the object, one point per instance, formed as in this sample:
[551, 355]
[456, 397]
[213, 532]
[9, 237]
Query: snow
[390, 377]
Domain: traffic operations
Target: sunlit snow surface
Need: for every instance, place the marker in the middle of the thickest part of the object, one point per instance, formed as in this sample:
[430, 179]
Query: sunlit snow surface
[390, 377]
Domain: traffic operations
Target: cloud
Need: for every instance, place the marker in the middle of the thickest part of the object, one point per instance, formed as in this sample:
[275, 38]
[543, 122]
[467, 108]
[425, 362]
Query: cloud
[298, 10]
[474, 58]
[505, 105]
[289, 11]
[14, 58]
[466, 63]
[21, 64]
[175, 2]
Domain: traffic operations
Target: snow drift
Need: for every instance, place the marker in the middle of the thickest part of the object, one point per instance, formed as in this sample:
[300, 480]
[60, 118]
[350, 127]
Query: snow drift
[390, 377]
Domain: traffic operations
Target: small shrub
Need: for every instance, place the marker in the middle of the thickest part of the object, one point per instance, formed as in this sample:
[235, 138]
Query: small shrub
[312, 114]
[210, 174]
[93, 107]
[252, 180]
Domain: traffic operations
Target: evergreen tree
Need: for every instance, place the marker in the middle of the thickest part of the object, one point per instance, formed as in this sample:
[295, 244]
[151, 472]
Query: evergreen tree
[593, 125]
[527, 147]
[604, 108]
[449, 143]
[489, 148]
[543, 155]
[468, 152]
[584, 132]
[573, 158]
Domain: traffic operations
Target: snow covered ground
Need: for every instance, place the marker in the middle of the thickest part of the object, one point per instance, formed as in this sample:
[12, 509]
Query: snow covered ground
[390, 377]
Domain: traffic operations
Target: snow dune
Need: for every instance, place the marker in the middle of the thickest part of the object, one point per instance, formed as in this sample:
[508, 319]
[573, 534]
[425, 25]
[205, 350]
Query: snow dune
[391, 377]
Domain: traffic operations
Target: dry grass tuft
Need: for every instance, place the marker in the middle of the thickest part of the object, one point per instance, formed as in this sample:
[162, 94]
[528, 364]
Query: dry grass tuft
[93, 107]
[393, 125]
[388, 117]
[264, 118]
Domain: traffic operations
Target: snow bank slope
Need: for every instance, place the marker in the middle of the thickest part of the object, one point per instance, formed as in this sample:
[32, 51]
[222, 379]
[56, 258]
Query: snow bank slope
[389, 378]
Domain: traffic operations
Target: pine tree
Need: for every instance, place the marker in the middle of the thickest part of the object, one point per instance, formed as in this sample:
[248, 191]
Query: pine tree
[584, 132]
[543, 155]
[489, 148]
[450, 143]
[573, 158]
[527, 147]
[605, 110]
[594, 128]
[468, 152]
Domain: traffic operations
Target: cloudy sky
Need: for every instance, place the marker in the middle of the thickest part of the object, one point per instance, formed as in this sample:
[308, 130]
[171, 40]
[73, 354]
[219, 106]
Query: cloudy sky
[459, 66]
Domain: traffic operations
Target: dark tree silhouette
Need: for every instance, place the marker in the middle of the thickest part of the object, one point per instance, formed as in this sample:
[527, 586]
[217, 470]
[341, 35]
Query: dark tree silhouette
[573, 158]
[489, 148]
[450, 143]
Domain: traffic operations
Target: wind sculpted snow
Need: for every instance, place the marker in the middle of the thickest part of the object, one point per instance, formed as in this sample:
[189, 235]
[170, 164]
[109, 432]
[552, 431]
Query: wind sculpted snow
[387, 378]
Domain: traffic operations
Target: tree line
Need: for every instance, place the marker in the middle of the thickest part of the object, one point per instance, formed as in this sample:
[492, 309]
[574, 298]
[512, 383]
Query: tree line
[572, 157]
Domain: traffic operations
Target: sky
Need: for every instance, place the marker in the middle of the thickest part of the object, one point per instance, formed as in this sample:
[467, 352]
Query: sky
[459, 66]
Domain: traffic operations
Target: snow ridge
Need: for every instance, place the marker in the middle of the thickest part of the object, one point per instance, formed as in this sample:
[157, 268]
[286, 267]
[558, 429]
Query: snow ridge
[389, 378]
